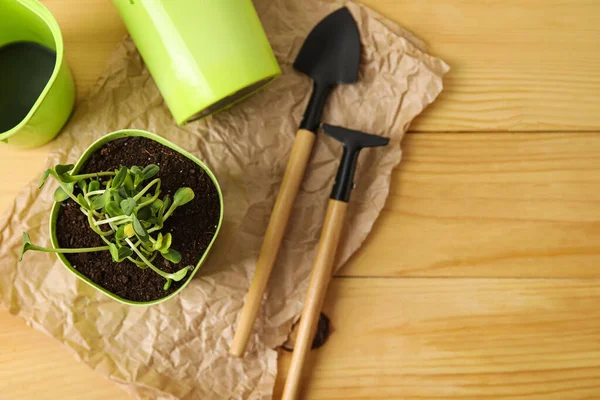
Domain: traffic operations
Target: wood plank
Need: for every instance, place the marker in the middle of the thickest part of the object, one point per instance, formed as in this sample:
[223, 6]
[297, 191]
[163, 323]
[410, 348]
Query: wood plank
[458, 339]
[17, 169]
[35, 366]
[516, 65]
[91, 32]
[464, 206]
[425, 338]
[517, 205]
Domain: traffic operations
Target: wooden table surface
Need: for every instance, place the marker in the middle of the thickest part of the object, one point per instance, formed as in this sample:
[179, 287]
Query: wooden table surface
[481, 278]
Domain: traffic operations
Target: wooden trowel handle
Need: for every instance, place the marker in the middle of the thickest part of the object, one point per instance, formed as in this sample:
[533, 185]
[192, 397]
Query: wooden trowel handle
[317, 289]
[268, 253]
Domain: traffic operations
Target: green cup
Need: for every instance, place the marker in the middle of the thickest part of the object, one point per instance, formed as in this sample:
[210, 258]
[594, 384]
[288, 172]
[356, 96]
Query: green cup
[36, 87]
[203, 55]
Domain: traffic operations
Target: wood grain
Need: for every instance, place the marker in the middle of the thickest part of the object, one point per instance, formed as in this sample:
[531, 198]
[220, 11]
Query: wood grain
[320, 277]
[17, 169]
[91, 31]
[518, 205]
[494, 205]
[532, 339]
[516, 65]
[278, 221]
[422, 338]
[34, 366]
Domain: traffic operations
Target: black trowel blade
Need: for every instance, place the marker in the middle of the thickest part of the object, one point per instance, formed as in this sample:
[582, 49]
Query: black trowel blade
[331, 52]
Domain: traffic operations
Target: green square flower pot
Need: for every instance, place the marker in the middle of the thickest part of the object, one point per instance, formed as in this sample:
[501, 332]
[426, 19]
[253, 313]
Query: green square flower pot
[30, 21]
[84, 157]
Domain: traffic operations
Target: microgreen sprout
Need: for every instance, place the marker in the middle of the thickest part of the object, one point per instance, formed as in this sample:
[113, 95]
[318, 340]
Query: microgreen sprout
[125, 209]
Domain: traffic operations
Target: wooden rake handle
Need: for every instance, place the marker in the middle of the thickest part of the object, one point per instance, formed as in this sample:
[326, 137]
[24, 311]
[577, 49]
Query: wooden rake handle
[317, 289]
[274, 235]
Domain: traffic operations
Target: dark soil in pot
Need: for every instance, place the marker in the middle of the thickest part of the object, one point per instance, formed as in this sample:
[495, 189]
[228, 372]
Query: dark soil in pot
[192, 225]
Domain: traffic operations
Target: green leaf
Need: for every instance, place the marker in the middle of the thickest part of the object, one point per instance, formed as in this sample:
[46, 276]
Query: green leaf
[172, 255]
[94, 185]
[100, 201]
[124, 193]
[114, 251]
[119, 253]
[139, 230]
[167, 284]
[166, 243]
[152, 221]
[179, 275]
[60, 195]
[117, 196]
[167, 203]
[120, 233]
[163, 209]
[183, 196]
[148, 247]
[119, 178]
[150, 171]
[26, 245]
[83, 202]
[140, 264]
[138, 175]
[128, 205]
[113, 209]
[82, 184]
[127, 186]
[158, 242]
[156, 206]
[60, 172]
[125, 252]
[144, 213]
[44, 178]
[62, 169]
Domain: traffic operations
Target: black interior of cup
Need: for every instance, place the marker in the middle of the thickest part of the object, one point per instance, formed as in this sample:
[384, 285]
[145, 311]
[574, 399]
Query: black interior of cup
[230, 100]
[25, 69]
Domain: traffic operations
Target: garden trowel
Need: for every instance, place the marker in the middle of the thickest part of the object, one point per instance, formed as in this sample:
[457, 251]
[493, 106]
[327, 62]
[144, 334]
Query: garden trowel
[330, 56]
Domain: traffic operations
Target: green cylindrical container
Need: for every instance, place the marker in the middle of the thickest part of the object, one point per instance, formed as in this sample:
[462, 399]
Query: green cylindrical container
[203, 55]
[27, 23]
[84, 157]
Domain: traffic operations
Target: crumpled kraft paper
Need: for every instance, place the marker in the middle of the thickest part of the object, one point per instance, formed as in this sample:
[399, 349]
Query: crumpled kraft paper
[178, 349]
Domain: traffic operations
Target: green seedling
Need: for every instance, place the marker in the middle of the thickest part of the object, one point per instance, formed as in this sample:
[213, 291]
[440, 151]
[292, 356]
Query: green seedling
[124, 208]
[27, 245]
